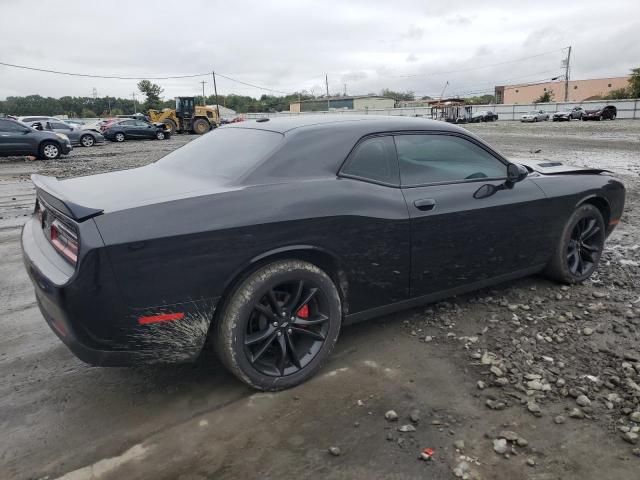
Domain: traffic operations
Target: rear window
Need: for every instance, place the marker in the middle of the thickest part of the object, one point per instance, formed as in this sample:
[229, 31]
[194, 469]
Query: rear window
[225, 152]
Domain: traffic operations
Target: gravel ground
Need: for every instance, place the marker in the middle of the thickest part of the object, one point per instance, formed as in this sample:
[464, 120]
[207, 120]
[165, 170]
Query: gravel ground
[527, 380]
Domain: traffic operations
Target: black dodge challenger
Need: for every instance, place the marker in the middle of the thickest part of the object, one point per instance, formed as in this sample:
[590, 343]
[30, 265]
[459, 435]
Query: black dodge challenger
[265, 237]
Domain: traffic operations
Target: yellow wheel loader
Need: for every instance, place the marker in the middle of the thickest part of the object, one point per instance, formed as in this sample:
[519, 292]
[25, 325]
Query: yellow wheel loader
[187, 117]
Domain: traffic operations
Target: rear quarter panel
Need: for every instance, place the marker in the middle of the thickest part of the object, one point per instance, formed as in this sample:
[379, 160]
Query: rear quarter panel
[192, 248]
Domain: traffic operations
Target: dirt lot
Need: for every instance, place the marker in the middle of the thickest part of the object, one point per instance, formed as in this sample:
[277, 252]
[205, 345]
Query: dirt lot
[527, 380]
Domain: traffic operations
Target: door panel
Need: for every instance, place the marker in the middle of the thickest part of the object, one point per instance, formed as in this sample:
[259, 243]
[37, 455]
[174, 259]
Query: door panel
[462, 240]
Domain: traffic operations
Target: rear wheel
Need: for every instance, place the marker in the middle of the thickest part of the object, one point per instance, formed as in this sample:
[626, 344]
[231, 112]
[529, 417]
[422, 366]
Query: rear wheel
[119, 137]
[87, 140]
[613, 116]
[200, 126]
[578, 252]
[535, 119]
[49, 151]
[279, 325]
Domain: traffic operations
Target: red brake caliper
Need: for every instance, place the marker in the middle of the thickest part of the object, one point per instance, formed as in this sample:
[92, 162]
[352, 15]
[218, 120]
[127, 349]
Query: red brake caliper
[303, 311]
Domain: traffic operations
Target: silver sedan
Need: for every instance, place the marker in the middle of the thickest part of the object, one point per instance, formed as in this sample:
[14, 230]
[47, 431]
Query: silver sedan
[539, 116]
[77, 136]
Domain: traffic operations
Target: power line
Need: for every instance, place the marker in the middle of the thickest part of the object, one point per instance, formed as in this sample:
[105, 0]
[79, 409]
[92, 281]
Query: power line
[119, 77]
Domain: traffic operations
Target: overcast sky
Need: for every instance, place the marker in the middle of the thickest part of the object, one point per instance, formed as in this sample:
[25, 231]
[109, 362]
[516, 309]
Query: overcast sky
[288, 45]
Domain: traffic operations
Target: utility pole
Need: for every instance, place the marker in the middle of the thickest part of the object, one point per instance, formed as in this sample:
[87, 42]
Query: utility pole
[215, 91]
[345, 89]
[326, 80]
[203, 100]
[445, 87]
[566, 75]
[133, 95]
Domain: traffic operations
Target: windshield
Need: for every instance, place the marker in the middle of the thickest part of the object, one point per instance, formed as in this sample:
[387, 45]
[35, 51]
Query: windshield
[225, 152]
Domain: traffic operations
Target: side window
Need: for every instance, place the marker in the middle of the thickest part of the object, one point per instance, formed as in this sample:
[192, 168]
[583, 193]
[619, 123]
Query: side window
[127, 123]
[444, 158]
[8, 126]
[140, 123]
[374, 159]
[60, 126]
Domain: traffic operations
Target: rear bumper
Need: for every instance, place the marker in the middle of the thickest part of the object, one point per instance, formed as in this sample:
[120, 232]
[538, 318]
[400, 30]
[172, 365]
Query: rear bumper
[92, 321]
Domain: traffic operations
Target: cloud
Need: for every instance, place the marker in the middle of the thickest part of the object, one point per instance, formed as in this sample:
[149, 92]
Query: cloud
[289, 45]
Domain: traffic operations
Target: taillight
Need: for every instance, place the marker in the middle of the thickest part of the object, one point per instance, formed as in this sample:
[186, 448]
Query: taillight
[64, 241]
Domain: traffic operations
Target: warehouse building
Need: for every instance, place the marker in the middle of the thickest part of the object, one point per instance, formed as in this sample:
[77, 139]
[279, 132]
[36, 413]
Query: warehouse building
[578, 90]
[365, 102]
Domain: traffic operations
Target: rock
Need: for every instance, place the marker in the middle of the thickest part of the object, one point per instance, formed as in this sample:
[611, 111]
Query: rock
[481, 385]
[576, 413]
[502, 381]
[587, 331]
[496, 371]
[406, 428]
[597, 294]
[500, 446]
[534, 408]
[636, 452]
[389, 437]
[335, 451]
[495, 404]
[534, 385]
[459, 444]
[531, 462]
[522, 442]
[631, 356]
[508, 435]
[462, 470]
[583, 401]
[428, 338]
[391, 416]
[559, 420]
[414, 415]
[630, 437]
[635, 417]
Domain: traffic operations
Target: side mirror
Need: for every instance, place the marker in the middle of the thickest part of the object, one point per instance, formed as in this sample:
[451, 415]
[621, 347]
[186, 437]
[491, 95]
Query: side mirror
[516, 172]
[486, 191]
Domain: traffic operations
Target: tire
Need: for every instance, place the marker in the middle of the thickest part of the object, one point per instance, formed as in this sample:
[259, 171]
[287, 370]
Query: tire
[600, 118]
[613, 116]
[200, 126]
[535, 119]
[87, 140]
[171, 125]
[267, 362]
[585, 223]
[160, 135]
[49, 151]
[119, 137]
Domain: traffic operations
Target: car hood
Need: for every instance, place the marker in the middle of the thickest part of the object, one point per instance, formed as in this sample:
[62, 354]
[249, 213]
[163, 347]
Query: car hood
[551, 167]
[84, 197]
[562, 113]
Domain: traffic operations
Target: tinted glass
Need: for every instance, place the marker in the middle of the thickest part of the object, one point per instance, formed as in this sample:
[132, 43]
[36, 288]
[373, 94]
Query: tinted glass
[444, 158]
[9, 126]
[140, 123]
[125, 122]
[375, 159]
[225, 152]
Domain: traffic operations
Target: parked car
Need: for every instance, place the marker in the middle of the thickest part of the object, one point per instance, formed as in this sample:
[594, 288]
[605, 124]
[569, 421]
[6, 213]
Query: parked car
[568, 114]
[136, 130]
[484, 116]
[261, 237]
[105, 124]
[539, 116]
[605, 113]
[74, 123]
[77, 136]
[17, 138]
[37, 118]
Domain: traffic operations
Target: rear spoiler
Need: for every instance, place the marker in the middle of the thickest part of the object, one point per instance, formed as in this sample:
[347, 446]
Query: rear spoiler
[49, 189]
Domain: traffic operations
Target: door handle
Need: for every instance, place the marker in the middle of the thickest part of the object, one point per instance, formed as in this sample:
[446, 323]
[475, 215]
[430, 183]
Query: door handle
[425, 204]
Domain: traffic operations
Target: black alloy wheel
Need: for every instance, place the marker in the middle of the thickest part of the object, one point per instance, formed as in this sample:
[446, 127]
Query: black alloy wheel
[278, 326]
[287, 328]
[585, 246]
[580, 247]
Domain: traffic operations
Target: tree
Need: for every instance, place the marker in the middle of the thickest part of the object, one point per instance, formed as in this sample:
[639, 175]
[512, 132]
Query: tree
[618, 94]
[634, 83]
[152, 91]
[481, 100]
[397, 96]
[546, 97]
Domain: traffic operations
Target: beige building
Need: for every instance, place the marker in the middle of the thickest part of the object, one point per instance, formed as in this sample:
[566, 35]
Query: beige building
[365, 102]
[579, 90]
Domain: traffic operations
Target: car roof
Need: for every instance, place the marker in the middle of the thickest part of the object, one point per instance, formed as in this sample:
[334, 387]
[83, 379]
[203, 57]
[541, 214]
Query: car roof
[374, 123]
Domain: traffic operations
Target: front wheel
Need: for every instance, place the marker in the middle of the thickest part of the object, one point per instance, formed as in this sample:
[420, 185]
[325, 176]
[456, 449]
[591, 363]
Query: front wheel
[580, 247]
[49, 151]
[279, 325]
[87, 140]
